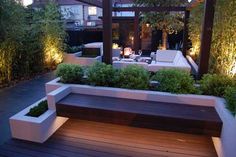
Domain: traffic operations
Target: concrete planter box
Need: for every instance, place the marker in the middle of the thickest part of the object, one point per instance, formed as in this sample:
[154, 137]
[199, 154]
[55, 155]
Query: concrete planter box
[225, 145]
[131, 94]
[75, 58]
[35, 129]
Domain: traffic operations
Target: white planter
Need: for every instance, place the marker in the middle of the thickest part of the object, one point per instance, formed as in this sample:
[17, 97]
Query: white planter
[227, 143]
[35, 129]
[75, 58]
[190, 99]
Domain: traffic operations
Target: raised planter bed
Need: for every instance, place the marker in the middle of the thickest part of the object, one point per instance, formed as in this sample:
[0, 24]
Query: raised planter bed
[35, 129]
[224, 145]
[75, 58]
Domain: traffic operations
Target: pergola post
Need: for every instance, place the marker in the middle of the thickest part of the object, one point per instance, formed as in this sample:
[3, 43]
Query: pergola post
[206, 37]
[136, 32]
[107, 31]
[185, 35]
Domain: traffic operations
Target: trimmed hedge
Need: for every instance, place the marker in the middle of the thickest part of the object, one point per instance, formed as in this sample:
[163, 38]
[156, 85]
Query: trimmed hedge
[100, 74]
[38, 110]
[213, 84]
[133, 77]
[174, 81]
[70, 73]
[230, 97]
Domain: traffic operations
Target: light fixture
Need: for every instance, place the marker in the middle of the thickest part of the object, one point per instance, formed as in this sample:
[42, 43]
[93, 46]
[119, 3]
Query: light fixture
[148, 24]
[127, 51]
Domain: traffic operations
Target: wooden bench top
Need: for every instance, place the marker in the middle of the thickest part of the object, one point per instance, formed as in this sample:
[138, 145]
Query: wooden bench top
[201, 116]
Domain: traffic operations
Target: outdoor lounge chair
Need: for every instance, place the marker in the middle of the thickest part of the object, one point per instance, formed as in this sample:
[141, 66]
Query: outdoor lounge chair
[167, 59]
[164, 59]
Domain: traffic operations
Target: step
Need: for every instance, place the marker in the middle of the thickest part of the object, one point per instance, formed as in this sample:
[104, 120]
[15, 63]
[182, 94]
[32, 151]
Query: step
[145, 114]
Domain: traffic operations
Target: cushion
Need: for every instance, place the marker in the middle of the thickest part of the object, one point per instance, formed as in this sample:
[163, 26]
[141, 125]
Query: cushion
[166, 55]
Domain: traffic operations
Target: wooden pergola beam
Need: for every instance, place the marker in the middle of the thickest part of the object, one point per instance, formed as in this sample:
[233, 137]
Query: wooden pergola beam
[148, 9]
[136, 32]
[185, 34]
[96, 3]
[107, 31]
[206, 36]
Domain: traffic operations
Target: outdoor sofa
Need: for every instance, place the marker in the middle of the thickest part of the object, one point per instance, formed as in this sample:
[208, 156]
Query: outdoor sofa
[162, 59]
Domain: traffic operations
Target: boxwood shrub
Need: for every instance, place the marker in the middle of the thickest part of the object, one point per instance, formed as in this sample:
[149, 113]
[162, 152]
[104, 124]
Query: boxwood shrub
[174, 81]
[230, 97]
[70, 73]
[39, 109]
[133, 77]
[213, 84]
[100, 74]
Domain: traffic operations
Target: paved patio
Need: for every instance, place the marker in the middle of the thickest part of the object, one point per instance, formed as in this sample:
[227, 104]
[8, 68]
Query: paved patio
[16, 98]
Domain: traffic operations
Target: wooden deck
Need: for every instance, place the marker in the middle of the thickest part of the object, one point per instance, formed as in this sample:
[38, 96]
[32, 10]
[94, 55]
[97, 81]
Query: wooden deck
[80, 138]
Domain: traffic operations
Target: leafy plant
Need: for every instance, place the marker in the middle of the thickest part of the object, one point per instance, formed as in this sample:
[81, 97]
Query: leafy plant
[223, 46]
[100, 74]
[133, 77]
[230, 97]
[70, 73]
[74, 49]
[53, 35]
[174, 81]
[213, 84]
[38, 110]
[166, 21]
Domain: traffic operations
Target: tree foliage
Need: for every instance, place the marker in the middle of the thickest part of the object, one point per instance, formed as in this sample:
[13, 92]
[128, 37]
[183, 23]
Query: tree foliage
[24, 38]
[168, 22]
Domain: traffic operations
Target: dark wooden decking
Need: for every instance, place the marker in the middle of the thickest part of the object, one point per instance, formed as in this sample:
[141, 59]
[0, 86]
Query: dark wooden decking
[146, 114]
[79, 138]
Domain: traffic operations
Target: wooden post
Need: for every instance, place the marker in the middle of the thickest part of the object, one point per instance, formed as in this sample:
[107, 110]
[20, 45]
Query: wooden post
[206, 37]
[136, 32]
[107, 31]
[185, 35]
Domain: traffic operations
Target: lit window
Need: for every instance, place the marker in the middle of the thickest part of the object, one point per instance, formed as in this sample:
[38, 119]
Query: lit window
[92, 10]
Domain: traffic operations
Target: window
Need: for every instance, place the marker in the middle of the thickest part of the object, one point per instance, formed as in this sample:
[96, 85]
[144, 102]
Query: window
[92, 10]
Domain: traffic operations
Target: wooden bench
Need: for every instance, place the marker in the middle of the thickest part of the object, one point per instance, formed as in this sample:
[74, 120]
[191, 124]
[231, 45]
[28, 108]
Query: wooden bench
[145, 114]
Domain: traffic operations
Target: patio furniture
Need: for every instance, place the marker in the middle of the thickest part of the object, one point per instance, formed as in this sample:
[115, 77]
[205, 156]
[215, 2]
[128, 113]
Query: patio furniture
[126, 62]
[164, 59]
[167, 59]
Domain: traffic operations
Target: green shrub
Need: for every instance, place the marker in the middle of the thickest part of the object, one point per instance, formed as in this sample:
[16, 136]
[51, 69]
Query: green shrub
[74, 49]
[70, 73]
[213, 84]
[174, 81]
[100, 74]
[133, 77]
[230, 97]
[39, 109]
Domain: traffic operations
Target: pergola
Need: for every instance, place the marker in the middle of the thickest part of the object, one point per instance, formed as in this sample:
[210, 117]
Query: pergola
[206, 34]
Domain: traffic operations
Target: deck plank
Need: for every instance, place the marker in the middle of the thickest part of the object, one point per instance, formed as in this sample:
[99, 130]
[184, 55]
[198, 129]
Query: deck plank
[81, 138]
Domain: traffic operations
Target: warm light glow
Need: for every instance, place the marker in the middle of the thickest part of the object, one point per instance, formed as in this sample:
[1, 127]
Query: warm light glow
[234, 69]
[115, 46]
[147, 24]
[53, 55]
[127, 51]
[27, 2]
